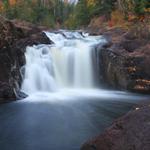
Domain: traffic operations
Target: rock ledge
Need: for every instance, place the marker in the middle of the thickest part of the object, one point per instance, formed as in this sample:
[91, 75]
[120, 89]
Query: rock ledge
[130, 132]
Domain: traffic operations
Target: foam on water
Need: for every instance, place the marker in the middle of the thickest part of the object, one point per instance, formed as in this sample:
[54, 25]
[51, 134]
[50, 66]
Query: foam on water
[67, 63]
[64, 70]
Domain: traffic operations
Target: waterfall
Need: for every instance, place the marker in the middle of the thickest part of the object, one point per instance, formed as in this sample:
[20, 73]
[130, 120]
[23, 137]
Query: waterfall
[68, 63]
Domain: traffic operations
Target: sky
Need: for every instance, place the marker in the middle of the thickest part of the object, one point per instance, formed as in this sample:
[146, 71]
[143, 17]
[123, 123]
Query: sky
[73, 1]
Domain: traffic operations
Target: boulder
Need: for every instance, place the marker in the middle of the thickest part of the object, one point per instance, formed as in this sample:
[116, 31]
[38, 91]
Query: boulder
[130, 132]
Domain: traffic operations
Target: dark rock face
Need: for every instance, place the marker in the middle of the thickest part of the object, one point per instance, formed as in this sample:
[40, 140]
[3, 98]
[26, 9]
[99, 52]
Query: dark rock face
[124, 63]
[13, 41]
[130, 132]
[6, 92]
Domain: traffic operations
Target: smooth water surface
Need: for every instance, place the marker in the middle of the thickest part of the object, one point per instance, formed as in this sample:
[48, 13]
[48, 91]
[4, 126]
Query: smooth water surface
[61, 121]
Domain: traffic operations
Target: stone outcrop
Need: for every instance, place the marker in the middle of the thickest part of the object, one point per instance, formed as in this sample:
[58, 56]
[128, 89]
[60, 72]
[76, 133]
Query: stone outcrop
[124, 63]
[14, 37]
[130, 132]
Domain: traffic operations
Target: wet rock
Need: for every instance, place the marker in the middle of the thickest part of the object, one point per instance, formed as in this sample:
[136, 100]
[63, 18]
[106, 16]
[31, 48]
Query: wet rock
[124, 63]
[21, 95]
[130, 132]
[21, 44]
[6, 92]
[14, 37]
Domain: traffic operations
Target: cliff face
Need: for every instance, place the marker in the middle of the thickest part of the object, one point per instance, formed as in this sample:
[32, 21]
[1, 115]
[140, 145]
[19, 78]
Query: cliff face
[125, 62]
[14, 37]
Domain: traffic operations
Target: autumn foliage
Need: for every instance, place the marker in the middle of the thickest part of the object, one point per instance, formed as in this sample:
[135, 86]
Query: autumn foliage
[60, 13]
[41, 12]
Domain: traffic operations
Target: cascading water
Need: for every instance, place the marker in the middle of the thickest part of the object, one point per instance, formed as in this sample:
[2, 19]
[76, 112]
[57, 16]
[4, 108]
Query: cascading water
[67, 63]
[63, 98]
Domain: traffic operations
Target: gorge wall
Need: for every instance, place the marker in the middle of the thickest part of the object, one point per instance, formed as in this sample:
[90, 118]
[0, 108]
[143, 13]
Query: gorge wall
[14, 37]
[125, 61]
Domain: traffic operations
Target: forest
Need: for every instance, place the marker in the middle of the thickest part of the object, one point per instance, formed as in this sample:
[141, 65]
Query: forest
[65, 14]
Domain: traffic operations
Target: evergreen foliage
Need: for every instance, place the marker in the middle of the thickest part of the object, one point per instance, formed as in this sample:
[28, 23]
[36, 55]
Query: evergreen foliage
[42, 12]
[54, 12]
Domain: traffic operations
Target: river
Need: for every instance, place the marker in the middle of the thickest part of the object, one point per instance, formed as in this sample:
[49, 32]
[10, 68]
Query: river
[66, 104]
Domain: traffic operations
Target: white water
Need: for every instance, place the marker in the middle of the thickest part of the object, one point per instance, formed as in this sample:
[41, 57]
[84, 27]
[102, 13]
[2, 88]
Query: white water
[65, 64]
[64, 70]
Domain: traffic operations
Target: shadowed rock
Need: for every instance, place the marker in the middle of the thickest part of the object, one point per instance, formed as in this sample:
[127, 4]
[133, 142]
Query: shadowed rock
[125, 63]
[130, 132]
[14, 37]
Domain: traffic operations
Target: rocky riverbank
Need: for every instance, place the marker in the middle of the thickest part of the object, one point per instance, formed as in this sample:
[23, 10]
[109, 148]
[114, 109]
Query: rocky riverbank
[14, 37]
[125, 61]
[130, 132]
[124, 64]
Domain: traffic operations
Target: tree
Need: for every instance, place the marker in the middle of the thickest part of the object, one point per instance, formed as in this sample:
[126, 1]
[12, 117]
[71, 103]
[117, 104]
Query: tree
[43, 12]
[82, 13]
